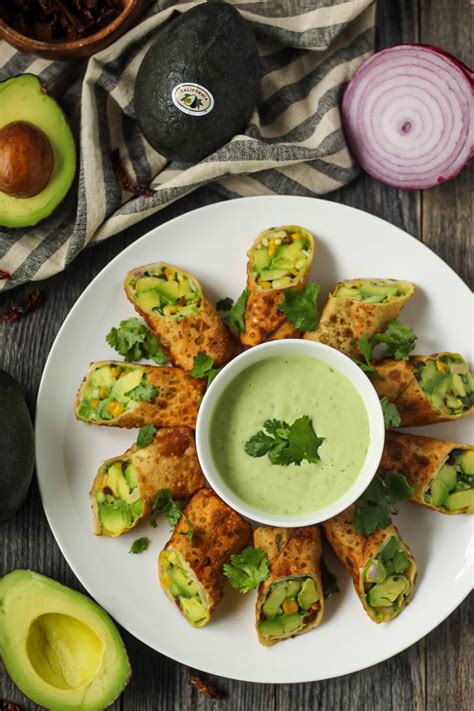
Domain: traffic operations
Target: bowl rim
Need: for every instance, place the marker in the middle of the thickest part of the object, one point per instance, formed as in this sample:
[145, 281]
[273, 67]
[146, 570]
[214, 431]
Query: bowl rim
[64, 45]
[318, 351]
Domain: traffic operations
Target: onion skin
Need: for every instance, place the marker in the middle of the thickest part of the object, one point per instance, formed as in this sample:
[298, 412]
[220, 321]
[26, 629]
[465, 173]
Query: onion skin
[408, 116]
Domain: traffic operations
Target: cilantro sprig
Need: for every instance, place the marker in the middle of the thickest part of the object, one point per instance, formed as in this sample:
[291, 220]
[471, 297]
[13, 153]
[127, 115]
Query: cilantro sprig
[376, 505]
[300, 307]
[224, 304]
[235, 317]
[163, 503]
[140, 545]
[134, 341]
[204, 367]
[245, 571]
[391, 416]
[286, 444]
[145, 392]
[145, 435]
[398, 339]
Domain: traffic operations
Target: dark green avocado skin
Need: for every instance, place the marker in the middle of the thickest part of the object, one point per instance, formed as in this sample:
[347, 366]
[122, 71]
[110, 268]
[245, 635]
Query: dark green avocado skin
[210, 45]
[17, 447]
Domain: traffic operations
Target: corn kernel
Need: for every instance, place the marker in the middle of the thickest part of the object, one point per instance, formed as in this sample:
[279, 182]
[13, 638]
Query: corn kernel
[294, 271]
[290, 606]
[271, 248]
[115, 372]
[265, 285]
[169, 273]
[115, 408]
[94, 404]
[441, 366]
[103, 391]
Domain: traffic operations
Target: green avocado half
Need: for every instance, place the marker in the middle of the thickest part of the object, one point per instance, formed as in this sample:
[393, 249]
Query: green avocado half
[60, 648]
[23, 98]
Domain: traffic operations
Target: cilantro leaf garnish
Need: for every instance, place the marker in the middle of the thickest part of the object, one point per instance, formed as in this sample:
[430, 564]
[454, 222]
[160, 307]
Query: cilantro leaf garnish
[173, 510]
[224, 304]
[375, 507]
[204, 367]
[300, 307]
[145, 392]
[399, 340]
[145, 435]
[391, 416]
[286, 444]
[366, 347]
[329, 581]
[235, 317]
[134, 341]
[140, 545]
[247, 570]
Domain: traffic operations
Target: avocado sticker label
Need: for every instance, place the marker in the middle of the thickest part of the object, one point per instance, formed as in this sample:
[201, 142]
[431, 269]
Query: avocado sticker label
[192, 99]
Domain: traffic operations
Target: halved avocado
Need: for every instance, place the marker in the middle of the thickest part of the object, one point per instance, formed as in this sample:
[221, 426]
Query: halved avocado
[24, 99]
[60, 648]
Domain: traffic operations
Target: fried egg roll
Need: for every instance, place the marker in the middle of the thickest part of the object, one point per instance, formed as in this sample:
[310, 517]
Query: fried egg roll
[279, 259]
[290, 602]
[441, 472]
[357, 307]
[426, 389]
[382, 566]
[190, 568]
[176, 309]
[121, 394]
[125, 486]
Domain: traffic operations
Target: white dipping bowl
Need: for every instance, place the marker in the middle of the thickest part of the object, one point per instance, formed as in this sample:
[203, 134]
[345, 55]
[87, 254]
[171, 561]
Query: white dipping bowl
[291, 347]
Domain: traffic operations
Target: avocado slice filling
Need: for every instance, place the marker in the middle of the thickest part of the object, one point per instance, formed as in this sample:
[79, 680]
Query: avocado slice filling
[165, 290]
[385, 584]
[185, 590]
[119, 504]
[453, 486]
[371, 291]
[447, 382]
[281, 257]
[289, 606]
[112, 390]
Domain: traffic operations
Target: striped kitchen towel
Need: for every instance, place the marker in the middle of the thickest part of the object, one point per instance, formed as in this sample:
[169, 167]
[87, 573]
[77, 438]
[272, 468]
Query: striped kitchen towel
[293, 144]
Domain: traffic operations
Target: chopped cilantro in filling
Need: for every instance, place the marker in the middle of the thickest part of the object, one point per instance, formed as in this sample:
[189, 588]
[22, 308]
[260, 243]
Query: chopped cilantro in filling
[112, 390]
[385, 583]
[289, 606]
[452, 488]
[447, 382]
[118, 498]
[165, 290]
[371, 291]
[177, 578]
[281, 257]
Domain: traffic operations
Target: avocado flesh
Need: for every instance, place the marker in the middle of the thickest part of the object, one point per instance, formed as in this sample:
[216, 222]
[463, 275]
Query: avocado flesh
[297, 596]
[452, 488]
[181, 585]
[59, 647]
[388, 593]
[23, 98]
[280, 258]
[165, 290]
[370, 291]
[385, 583]
[116, 513]
[106, 394]
[447, 382]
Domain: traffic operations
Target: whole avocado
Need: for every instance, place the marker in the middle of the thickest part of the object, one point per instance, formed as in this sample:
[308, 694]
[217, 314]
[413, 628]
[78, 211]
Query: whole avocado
[17, 446]
[212, 49]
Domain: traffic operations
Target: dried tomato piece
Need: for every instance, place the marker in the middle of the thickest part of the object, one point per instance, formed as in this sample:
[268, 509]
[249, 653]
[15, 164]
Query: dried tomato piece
[124, 180]
[23, 307]
[5, 275]
[205, 688]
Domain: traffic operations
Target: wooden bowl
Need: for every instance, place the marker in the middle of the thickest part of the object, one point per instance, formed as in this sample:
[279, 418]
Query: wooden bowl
[75, 49]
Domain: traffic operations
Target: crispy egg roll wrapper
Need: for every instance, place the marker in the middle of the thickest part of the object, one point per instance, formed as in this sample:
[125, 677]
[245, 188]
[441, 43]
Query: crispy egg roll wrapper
[262, 318]
[355, 549]
[176, 403]
[397, 382]
[169, 462]
[291, 552]
[183, 339]
[343, 321]
[419, 459]
[218, 533]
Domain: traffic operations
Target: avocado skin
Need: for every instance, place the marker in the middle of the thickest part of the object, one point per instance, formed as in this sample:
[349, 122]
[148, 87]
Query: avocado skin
[17, 445]
[210, 45]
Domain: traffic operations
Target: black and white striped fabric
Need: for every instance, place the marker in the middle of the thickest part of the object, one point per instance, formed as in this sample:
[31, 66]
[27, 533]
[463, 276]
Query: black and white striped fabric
[293, 145]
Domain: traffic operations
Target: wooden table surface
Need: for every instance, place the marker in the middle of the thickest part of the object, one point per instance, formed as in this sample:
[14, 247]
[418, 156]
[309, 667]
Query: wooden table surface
[434, 674]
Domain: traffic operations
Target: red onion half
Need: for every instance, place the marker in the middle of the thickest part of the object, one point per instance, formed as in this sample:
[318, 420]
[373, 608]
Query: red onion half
[408, 116]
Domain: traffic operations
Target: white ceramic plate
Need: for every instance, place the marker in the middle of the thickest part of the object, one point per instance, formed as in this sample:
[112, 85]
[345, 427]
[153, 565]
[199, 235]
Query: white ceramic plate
[211, 243]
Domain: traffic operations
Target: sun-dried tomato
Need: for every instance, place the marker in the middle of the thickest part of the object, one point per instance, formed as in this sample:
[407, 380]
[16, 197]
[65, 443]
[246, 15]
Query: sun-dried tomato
[124, 180]
[205, 688]
[5, 275]
[23, 307]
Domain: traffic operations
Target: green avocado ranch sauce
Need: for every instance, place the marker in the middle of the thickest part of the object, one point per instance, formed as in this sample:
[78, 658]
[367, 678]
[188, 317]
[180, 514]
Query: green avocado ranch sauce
[286, 388]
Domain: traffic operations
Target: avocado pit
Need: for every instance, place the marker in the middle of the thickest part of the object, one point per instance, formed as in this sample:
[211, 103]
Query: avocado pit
[26, 160]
